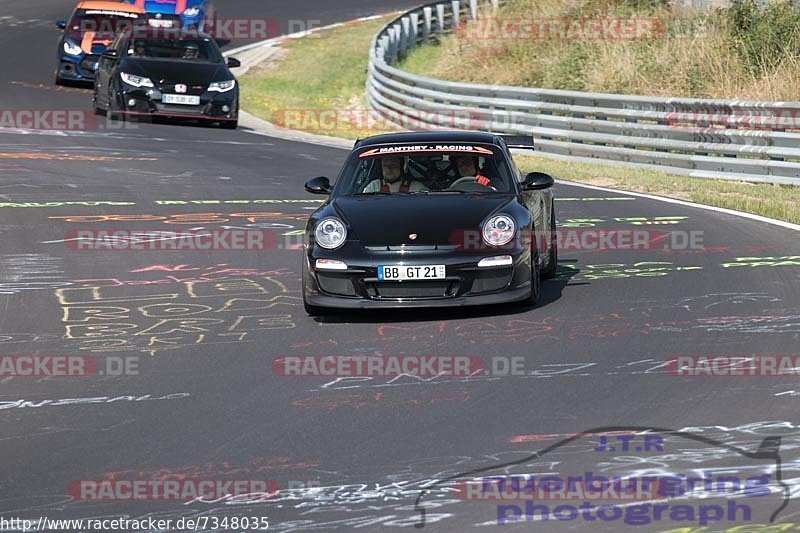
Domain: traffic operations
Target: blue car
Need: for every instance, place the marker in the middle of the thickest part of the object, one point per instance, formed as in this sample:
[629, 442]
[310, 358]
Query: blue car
[188, 15]
[85, 36]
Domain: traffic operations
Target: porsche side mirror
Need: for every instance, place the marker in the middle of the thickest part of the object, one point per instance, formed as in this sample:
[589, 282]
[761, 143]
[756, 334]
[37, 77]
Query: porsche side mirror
[536, 181]
[233, 62]
[61, 24]
[320, 185]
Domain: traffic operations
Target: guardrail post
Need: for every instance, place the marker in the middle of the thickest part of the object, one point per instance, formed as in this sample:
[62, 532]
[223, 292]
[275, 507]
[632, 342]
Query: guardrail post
[473, 9]
[392, 45]
[412, 34]
[426, 26]
[456, 6]
[384, 47]
[440, 19]
[405, 23]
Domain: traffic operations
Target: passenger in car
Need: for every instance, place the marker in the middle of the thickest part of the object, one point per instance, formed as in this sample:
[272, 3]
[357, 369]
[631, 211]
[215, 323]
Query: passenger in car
[394, 178]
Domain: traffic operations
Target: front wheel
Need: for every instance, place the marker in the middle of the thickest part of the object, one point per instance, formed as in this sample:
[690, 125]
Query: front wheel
[229, 124]
[313, 310]
[549, 271]
[536, 283]
[97, 109]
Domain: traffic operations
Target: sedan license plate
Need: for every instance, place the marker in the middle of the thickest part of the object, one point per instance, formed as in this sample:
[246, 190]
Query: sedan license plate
[156, 23]
[184, 99]
[409, 272]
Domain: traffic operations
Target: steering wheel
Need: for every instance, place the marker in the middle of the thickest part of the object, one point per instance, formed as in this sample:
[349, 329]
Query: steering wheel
[471, 183]
[465, 179]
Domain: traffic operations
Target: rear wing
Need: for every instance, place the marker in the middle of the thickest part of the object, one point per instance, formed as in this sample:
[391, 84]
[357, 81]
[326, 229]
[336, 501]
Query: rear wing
[518, 141]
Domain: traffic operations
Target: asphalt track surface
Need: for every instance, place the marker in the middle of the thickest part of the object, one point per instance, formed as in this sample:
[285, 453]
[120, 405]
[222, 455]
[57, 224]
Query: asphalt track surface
[206, 404]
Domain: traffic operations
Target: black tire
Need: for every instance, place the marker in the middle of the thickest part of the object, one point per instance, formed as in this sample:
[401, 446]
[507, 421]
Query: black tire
[229, 124]
[313, 310]
[111, 113]
[549, 271]
[536, 281]
[97, 109]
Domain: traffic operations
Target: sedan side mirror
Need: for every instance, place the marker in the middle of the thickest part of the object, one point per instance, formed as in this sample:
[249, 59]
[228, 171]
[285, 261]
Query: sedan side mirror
[233, 62]
[320, 185]
[61, 24]
[536, 181]
[111, 54]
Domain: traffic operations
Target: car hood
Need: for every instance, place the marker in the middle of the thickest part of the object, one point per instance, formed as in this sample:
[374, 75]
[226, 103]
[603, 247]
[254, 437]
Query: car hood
[177, 71]
[435, 219]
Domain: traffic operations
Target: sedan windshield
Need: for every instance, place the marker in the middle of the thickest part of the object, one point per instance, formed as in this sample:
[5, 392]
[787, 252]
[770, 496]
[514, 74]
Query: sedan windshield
[426, 169]
[183, 49]
[100, 22]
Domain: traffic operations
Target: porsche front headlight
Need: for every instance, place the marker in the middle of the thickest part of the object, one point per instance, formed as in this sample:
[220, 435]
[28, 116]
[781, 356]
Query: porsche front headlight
[498, 230]
[330, 233]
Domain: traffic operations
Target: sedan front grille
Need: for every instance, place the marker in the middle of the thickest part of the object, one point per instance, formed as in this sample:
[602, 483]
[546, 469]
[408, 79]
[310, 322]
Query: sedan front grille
[169, 88]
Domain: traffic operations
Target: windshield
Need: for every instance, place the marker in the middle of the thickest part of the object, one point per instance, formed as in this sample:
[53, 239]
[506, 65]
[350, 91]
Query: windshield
[106, 22]
[184, 49]
[426, 169]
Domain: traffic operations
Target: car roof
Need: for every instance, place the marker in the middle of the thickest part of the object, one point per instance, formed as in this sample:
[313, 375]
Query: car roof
[459, 136]
[110, 5]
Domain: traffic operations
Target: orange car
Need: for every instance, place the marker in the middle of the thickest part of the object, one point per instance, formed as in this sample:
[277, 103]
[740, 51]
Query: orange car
[92, 26]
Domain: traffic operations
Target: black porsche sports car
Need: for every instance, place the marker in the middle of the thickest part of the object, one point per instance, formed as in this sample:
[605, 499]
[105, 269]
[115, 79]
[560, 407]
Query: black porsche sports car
[428, 219]
[167, 74]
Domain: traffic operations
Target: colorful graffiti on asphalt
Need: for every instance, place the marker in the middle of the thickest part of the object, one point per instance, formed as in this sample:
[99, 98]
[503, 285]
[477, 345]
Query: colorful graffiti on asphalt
[111, 318]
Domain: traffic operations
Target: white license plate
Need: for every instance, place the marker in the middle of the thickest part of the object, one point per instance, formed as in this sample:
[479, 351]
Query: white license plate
[184, 99]
[408, 272]
[156, 23]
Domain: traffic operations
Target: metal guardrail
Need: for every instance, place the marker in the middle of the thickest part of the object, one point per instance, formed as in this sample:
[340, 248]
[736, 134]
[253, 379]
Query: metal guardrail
[723, 139]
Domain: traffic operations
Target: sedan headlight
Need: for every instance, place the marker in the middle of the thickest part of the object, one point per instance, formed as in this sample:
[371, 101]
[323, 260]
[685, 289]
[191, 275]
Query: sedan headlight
[222, 86]
[72, 48]
[191, 11]
[136, 81]
[330, 233]
[498, 230]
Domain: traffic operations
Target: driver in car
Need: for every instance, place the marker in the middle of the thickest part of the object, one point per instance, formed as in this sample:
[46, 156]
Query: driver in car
[467, 167]
[394, 178]
[191, 51]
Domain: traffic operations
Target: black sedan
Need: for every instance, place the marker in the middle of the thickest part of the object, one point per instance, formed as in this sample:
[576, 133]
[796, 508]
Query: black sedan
[429, 219]
[172, 75]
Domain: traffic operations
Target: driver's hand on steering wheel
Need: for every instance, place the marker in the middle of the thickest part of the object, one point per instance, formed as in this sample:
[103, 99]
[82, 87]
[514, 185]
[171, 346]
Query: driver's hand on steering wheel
[482, 180]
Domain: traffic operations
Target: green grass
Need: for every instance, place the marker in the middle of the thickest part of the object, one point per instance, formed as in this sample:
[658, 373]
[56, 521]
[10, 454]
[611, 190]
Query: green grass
[745, 52]
[329, 73]
[326, 71]
[775, 201]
